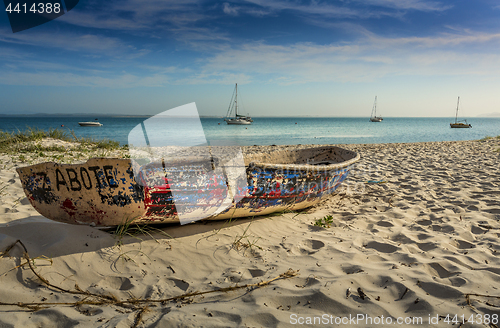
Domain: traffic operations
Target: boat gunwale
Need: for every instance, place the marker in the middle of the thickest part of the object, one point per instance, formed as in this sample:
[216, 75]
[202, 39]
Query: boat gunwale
[334, 166]
[194, 159]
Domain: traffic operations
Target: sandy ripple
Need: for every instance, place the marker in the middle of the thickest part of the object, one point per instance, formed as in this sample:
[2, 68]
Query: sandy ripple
[415, 242]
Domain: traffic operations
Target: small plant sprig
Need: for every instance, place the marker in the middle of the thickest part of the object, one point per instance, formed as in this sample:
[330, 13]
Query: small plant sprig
[239, 241]
[324, 222]
[134, 230]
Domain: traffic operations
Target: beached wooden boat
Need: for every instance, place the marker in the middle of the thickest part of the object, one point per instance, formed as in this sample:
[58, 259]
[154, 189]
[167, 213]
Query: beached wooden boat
[106, 192]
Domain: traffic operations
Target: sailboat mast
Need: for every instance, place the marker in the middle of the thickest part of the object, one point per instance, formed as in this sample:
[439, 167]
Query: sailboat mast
[374, 108]
[456, 115]
[236, 101]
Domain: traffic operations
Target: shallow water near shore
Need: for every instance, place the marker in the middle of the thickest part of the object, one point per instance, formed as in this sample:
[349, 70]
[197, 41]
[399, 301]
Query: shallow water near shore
[281, 131]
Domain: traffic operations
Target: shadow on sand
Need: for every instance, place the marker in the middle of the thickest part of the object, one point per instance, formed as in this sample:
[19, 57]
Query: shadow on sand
[53, 239]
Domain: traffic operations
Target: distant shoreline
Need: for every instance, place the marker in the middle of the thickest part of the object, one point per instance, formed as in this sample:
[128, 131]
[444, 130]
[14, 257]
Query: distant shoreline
[491, 115]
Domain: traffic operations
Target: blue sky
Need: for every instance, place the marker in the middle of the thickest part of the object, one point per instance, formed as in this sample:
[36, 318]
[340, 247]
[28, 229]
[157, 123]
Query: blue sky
[289, 57]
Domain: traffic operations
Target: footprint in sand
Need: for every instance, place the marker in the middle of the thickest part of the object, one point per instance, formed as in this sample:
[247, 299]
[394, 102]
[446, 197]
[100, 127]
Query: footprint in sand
[424, 222]
[120, 283]
[443, 228]
[436, 269]
[462, 244]
[314, 244]
[477, 230]
[352, 269]
[180, 283]
[383, 223]
[493, 210]
[25, 201]
[426, 246]
[382, 247]
[306, 282]
[309, 246]
[457, 281]
[440, 291]
[256, 272]
[422, 236]
[57, 318]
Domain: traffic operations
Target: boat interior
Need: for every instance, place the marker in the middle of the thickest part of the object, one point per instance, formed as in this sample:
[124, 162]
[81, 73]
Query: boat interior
[307, 156]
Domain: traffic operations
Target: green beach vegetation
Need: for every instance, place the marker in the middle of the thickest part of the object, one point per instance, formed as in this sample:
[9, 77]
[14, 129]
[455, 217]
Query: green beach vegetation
[56, 144]
[324, 222]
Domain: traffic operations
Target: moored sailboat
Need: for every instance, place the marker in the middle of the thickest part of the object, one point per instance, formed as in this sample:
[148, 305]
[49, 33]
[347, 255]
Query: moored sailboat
[457, 123]
[238, 119]
[374, 117]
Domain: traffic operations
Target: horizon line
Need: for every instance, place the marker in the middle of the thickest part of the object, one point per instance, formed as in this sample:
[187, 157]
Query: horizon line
[490, 115]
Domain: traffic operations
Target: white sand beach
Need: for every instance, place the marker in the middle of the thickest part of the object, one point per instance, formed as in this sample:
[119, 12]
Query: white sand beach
[413, 241]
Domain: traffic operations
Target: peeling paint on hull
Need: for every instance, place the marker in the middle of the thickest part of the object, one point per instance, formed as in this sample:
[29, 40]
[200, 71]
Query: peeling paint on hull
[104, 191]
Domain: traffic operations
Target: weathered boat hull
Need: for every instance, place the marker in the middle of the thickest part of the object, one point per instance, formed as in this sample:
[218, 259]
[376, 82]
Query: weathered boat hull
[89, 124]
[234, 121]
[460, 125]
[106, 192]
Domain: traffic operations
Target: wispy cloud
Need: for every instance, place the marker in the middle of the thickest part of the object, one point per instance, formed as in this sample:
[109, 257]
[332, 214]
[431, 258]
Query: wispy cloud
[61, 79]
[441, 41]
[420, 5]
[230, 10]
[363, 8]
[101, 20]
[312, 7]
[88, 43]
[8, 53]
[363, 60]
[210, 77]
[181, 19]
[218, 56]
[197, 22]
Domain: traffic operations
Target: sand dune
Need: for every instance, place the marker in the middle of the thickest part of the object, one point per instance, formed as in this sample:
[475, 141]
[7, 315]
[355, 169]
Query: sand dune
[415, 229]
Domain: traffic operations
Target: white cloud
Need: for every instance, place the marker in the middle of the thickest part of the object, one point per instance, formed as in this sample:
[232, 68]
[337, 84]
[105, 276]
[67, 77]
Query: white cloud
[364, 60]
[230, 10]
[369, 59]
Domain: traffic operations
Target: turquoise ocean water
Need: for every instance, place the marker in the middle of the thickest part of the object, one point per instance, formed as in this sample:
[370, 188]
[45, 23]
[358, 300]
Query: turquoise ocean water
[280, 131]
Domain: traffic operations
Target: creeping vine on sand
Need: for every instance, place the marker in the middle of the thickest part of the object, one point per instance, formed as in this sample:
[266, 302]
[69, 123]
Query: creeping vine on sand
[324, 222]
[136, 304]
[469, 303]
